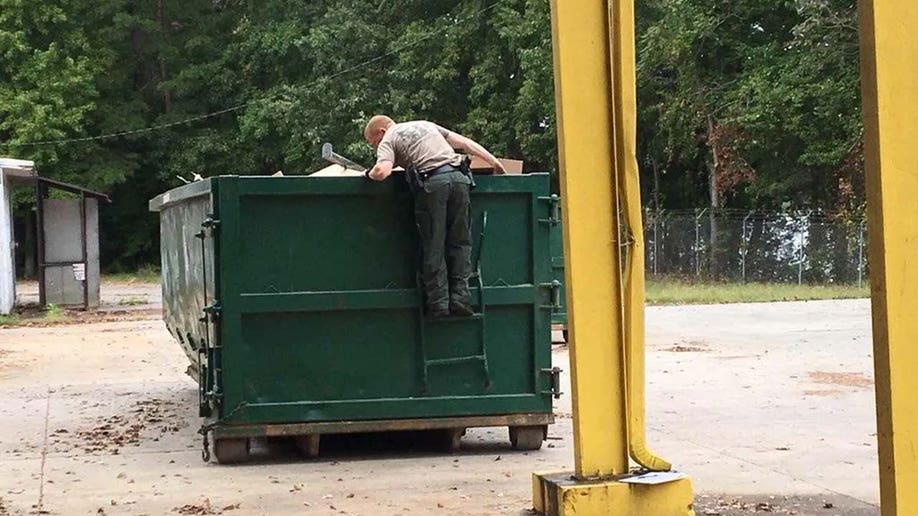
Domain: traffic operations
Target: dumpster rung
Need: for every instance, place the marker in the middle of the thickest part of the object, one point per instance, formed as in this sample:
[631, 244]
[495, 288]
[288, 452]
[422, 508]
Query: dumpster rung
[456, 318]
[457, 360]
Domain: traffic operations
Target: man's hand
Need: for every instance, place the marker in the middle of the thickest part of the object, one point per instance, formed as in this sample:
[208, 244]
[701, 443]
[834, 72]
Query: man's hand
[380, 171]
[498, 167]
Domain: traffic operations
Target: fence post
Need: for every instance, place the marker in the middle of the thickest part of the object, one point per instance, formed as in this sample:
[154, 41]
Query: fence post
[698, 215]
[803, 240]
[656, 240]
[860, 253]
[745, 244]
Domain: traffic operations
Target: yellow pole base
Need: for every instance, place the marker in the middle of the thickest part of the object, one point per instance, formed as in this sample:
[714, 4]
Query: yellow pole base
[558, 494]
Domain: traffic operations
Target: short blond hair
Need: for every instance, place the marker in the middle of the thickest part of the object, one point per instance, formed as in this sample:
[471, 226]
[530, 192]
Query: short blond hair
[376, 123]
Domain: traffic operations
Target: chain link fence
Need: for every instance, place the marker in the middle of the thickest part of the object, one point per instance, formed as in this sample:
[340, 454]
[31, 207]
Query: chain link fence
[754, 246]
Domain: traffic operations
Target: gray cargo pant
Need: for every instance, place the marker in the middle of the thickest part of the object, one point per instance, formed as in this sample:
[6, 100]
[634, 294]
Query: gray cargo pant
[441, 211]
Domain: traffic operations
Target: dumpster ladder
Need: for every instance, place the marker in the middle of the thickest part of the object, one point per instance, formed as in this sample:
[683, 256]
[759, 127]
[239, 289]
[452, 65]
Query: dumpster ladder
[478, 317]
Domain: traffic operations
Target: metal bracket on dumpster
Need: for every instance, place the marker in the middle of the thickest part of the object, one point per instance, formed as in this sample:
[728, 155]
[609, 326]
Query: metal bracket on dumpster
[555, 374]
[204, 409]
[555, 291]
[555, 208]
[211, 400]
[209, 223]
[213, 310]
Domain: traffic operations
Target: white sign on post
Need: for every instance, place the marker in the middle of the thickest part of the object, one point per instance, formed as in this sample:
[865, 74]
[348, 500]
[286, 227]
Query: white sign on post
[79, 271]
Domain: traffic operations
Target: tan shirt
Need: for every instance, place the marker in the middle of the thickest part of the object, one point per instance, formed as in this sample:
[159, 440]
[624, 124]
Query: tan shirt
[419, 143]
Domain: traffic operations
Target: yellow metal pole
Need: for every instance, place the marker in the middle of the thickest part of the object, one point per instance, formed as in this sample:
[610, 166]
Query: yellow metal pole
[583, 93]
[593, 43]
[625, 113]
[889, 82]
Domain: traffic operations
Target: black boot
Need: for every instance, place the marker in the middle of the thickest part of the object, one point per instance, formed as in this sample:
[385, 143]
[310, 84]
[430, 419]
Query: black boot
[461, 309]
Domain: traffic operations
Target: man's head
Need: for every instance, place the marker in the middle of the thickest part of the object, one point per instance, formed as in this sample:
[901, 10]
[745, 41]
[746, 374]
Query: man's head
[376, 128]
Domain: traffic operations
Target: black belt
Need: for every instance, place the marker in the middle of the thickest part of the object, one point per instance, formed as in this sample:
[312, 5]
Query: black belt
[442, 169]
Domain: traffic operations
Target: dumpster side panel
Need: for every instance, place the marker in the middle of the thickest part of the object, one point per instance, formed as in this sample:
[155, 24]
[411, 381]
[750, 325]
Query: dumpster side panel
[187, 262]
[322, 316]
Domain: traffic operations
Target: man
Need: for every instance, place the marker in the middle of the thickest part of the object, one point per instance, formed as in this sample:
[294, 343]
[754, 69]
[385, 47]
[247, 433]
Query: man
[441, 202]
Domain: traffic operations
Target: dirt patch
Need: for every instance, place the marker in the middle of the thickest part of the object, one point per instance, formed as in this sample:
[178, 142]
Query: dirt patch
[856, 380]
[204, 507]
[708, 505]
[131, 330]
[3, 510]
[9, 363]
[148, 419]
[720, 506]
[688, 346]
[826, 393]
[33, 317]
[681, 348]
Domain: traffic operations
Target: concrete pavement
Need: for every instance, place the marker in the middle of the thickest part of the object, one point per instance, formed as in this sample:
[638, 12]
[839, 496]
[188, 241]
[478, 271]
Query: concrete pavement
[759, 403]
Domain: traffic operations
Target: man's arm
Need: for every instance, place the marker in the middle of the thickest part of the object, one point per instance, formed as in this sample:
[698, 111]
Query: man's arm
[385, 157]
[380, 171]
[472, 147]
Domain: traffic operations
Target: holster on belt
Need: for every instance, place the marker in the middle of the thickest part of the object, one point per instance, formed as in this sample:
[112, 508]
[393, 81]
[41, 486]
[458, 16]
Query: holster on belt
[414, 181]
[466, 168]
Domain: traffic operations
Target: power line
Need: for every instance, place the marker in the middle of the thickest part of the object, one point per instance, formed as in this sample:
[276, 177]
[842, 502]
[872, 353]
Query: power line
[193, 119]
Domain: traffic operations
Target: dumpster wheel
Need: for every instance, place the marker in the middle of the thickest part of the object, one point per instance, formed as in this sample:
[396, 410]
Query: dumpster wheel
[527, 437]
[231, 450]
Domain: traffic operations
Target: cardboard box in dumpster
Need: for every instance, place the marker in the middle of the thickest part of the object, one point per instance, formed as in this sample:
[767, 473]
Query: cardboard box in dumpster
[335, 170]
[512, 166]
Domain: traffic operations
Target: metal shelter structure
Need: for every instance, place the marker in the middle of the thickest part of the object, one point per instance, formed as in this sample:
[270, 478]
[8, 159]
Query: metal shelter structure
[67, 238]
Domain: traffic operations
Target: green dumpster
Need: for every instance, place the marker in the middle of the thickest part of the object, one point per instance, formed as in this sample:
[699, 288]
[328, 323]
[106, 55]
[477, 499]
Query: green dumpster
[296, 300]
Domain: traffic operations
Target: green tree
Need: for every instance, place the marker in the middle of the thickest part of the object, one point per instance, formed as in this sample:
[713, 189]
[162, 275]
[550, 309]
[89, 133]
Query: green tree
[747, 103]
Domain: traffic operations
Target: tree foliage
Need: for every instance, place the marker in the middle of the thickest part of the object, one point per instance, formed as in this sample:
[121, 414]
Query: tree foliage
[759, 93]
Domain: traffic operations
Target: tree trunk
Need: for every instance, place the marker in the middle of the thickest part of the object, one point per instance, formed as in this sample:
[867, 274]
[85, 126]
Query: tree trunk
[140, 75]
[163, 71]
[655, 217]
[714, 254]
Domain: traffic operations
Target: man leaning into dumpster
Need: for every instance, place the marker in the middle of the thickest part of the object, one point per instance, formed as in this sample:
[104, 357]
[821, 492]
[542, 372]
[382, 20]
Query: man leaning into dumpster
[440, 180]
